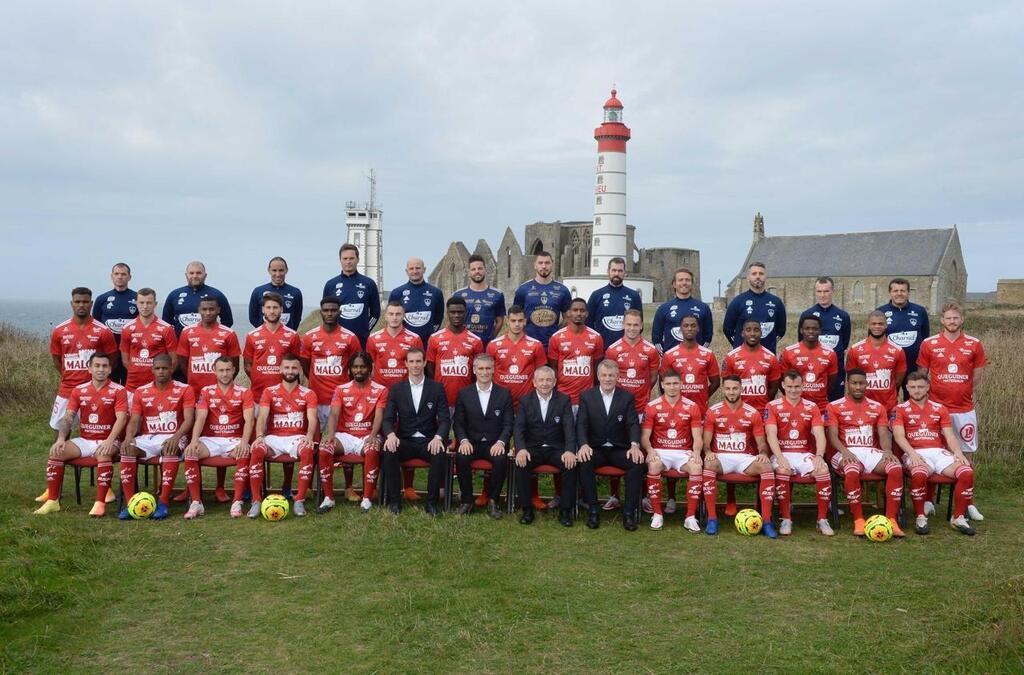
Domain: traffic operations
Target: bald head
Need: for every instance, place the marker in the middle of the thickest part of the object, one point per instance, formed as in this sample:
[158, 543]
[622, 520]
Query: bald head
[415, 269]
[195, 274]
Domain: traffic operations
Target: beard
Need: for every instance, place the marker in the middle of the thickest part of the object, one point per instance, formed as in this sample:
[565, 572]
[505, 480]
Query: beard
[290, 377]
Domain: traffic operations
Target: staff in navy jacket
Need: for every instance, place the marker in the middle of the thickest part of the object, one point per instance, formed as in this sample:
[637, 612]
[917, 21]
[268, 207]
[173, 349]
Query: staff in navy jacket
[835, 329]
[758, 304]
[666, 331]
[906, 323]
[291, 311]
[357, 294]
[422, 301]
[115, 309]
[181, 309]
[606, 308]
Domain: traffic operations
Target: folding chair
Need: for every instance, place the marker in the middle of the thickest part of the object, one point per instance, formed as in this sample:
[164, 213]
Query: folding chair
[878, 479]
[728, 479]
[940, 480]
[539, 470]
[615, 472]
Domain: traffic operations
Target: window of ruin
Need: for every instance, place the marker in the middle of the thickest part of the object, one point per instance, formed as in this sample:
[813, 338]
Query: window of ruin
[858, 291]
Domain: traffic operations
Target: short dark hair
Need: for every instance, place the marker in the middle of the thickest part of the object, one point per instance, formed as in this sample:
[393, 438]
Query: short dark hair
[272, 297]
[415, 350]
[542, 254]
[733, 378]
[162, 357]
[825, 280]
[348, 247]
[147, 291]
[289, 357]
[682, 270]
[515, 309]
[396, 303]
[757, 263]
[916, 376]
[329, 300]
[808, 317]
[121, 264]
[617, 260]
[580, 300]
[279, 259]
[746, 322]
[476, 258]
[899, 281]
[224, 359]
[855, 371]
[81, 290]
[210, 298]
[792, 375]
[98, 355]
[456, 301]
[671, 372]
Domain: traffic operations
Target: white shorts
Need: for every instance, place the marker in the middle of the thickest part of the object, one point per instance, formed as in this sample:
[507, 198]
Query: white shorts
[966, 427]
[936, 459]
[284, 445]
[60, 408]
[350, 445]
[150, 444]
[218, 446]
[868, 458]
[323, 413]
[735, 462]
[802, 463]
[87, 447]
[675, 460]
[131, 397]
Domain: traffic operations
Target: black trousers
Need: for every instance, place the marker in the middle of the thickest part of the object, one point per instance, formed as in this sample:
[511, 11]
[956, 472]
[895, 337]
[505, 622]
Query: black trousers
[605, 456]
[552, 456]
[499, 467]
[390, 463]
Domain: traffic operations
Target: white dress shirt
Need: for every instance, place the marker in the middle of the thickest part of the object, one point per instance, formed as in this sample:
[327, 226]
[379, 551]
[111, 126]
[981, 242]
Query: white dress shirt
[416, 389]
[607, 401]
[544, 405]
[484, 396]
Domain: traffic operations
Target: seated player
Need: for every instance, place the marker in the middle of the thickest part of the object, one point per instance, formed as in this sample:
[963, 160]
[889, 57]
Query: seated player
[104, 412]
[353, 428]
[224, 424]
[792, 425]
[670, 434]
[923, 430]
[285, 426]
[858, 431]
[734, 442]
[162, 415]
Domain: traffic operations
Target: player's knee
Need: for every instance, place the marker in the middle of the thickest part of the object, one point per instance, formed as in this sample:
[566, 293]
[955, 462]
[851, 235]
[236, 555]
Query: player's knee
[655, 467]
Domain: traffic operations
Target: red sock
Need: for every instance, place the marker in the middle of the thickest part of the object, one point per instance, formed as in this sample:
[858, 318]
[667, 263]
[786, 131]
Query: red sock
[104, 474]
[710, 489]
[963, 490]
[672, 487]
[851, 483]
[129, 468]
[371, 470]
[169, 472]
[409, 478]
[823, 490]
[289, 471]
[241, 478]
[327, 472]
[693, 491]
[730, 493]
[348, 470]
[192, 474]
[256, 456]
[222, 472]
[613, 486]
[767, 490]
[782, 494]
[305, 471]
[653, 485]
[918, 488]
[893, 489]
[54, 478]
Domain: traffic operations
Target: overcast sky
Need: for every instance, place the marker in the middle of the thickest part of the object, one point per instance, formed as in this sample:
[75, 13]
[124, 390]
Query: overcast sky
[161, 132]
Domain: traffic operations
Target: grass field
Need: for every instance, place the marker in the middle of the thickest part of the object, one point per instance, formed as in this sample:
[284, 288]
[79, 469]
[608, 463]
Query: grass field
[378, 593]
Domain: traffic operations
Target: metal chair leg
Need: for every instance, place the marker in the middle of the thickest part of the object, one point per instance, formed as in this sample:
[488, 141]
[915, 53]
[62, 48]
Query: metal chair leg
[78, 485]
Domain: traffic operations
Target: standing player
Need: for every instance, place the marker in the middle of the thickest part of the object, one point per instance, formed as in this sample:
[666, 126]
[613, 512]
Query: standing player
[796, 436]
[115, 308]
[162, 415]
[607, 306]
[835, 328]
[144, 338]
[223, 428]
[955, 364]
[734, 442]
[485, 304]
[267, 345]
[923, 430]
[757, 367]
[906, 322]
[757, 304]
[181, 308]
[286, 425]
[104, 405]
[357, 295]
[423, 302]
[574, 351]
[883, 363]
[357, 412]
[816, 363]
[858, 431]
[451, 350]
[543, 299]
[291, 297]
[665, 330]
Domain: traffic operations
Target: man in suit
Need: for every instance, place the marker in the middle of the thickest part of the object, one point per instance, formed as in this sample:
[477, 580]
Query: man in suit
[416, 424]
[608, 432]
[545, 434]
[483, 428]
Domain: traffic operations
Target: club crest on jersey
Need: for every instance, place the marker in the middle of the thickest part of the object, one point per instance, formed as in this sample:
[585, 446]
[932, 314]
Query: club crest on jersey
[430, 405]
[558, 419]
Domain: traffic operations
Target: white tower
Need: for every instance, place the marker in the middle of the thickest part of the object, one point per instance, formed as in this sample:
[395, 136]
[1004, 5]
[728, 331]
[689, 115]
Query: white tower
[365, 232]
[609, 238]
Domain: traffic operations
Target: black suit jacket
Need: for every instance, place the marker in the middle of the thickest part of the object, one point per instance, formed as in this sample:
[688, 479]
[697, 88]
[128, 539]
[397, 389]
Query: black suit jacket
[557, 431]
[620, 426]
[404, 420]
[483, 426]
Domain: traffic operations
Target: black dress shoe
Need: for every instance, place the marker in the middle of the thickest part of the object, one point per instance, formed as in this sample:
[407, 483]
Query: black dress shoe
[394, 508]
[493, 511]
[431, 509]
[565, 517]
[629, 522]
[463, 510]
[593, 519]
[527, 517]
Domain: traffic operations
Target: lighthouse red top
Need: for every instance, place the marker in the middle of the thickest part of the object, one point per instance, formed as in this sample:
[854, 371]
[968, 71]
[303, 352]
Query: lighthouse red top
[612, 135]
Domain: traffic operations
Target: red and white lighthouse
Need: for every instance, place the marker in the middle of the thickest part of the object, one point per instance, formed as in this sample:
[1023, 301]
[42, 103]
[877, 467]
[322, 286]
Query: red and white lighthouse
[609, 238]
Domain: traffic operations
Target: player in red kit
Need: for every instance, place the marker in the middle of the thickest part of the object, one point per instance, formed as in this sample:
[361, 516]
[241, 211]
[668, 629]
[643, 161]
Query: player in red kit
[955, 363]
[858, 431]
[818, 364]
[451, 350]
[734, 442]
[162, 415]
[143, 338]
[573, 351]
[103, 409]
[267, 345]
[517, 356]
[757, 367]
[796, 436]
[353, 428]
[286, 425]
[924, 432]
[884, 364]
[670, 435]
[223, 427]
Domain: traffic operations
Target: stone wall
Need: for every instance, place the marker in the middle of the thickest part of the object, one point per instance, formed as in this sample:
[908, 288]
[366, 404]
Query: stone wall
[1010, 292]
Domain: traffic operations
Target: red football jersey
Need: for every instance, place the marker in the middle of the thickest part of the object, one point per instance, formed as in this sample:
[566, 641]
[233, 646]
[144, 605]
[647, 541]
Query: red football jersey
[328, 355]
[923, 424]
[696, 367]
[882, 365]
[672, 425]
[734, 430]
[97, 408]
[856, 422]
[576, 355]
[951, 365]
[357, 405]
[162, 412]
[516, 362]
[638, 368]
[200, 348]
[388, 354]
[452, 355]
[226, 410]
[142, 343]
[264, 349]
[793, 424]
[287, 409]
[756, 369]
[816, 365]
[74, 345]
